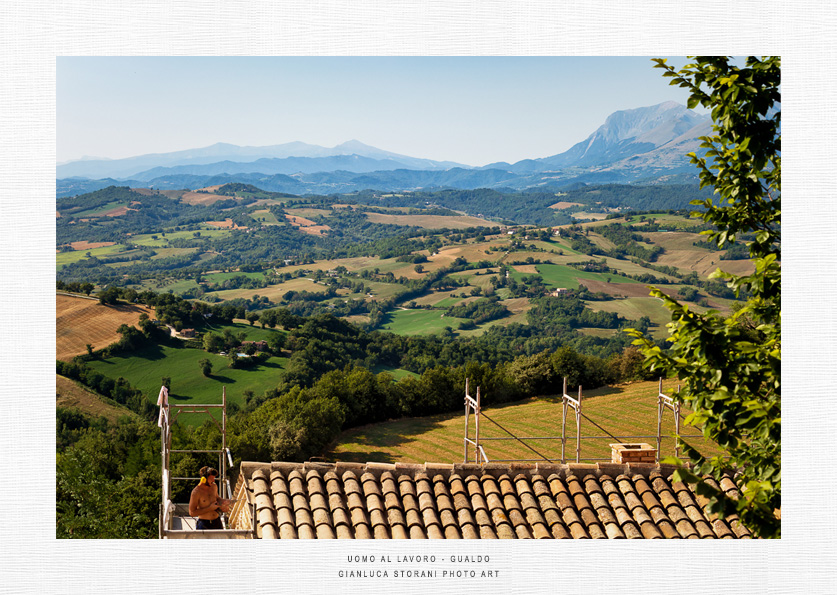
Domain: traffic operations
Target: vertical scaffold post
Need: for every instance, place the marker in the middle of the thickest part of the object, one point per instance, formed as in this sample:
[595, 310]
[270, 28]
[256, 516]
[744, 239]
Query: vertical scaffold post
[677, 424]
[578, 428]
[223, 452]
[467, 419]
[478, 453]
[564, 421]
[568, 401]
[475, 405]
[660, 409]
[665, 402]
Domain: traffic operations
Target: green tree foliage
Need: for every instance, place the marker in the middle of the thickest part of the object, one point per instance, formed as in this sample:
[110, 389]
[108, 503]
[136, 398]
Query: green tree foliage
[107, 480]
[731, 367]
[205, 366]
[479, 311]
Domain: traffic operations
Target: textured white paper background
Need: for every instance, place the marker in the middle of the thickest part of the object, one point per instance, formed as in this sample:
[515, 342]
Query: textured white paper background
[33, 33]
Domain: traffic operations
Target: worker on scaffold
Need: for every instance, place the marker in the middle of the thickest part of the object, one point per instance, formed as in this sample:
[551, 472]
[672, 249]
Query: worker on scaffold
[204, 503]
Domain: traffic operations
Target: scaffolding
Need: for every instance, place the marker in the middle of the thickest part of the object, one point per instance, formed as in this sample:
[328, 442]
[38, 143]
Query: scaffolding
[175, 521]
[474, 405]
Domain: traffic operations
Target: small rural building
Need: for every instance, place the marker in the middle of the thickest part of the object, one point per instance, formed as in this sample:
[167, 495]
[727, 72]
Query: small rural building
[260, 345]
[187, 332]
[616, 500]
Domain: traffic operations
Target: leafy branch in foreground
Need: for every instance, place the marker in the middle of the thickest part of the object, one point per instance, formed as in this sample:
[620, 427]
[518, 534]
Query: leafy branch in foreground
[731, 366]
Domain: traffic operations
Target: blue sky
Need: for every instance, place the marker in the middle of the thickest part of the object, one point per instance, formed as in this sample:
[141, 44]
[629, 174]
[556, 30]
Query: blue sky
[472, 110]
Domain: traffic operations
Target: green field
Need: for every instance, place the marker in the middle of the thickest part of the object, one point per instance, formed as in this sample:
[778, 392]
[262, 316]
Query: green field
[144, 369]
[450, 301]
[383, 290]
[396, 373]
[64, 258]
[629, 410]
[99, 210]
[170, 252]
[635, 308]
[673, 221]
[630, 268]
[148, 239]
[251, 333]
[557, 275]
[176, 287]
[560, 243]
[419, 322]
[269, 218]
[221, 277]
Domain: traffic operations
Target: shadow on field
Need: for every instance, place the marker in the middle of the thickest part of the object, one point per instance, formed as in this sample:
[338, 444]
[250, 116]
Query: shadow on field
[386, 435]
[150, 352]
[585, 394]
[222, 379]
[268, 364]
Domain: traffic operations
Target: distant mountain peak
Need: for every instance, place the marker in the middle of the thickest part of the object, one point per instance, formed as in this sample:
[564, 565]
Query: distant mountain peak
[355, 144]
[626, 133]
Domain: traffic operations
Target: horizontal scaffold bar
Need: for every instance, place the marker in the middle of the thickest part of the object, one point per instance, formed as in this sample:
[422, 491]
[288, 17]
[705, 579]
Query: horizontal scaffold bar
[219, 405]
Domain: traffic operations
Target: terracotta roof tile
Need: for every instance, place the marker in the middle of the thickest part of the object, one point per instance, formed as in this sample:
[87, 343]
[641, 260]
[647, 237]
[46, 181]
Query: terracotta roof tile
[585, 509]
[427, 507]
[355, 505]
[562, 497]
[480, 507]
[719, 526]
[637, 508]
[517, 501]
[728, 486]
[551, 514]
[673, 511]
[412, 512]
[513, 508]
[598, 500]
[655, 509]
[620, 508]
[499, 517]
[444, 504]
[690, 507]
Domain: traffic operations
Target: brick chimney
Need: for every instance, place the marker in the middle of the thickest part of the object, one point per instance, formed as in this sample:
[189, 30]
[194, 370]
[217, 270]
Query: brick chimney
[633, 453]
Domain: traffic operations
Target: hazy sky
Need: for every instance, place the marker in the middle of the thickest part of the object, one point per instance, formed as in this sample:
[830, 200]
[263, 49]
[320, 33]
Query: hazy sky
[469, 110]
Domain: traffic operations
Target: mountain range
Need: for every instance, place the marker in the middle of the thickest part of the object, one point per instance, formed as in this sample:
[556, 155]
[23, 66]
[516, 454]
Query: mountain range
[645, 145]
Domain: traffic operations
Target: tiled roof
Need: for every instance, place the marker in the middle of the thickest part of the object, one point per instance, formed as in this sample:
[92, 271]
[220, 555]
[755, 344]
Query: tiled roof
[492, 501]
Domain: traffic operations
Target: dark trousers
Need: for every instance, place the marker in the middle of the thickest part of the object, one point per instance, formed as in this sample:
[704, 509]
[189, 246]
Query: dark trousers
[209, 524]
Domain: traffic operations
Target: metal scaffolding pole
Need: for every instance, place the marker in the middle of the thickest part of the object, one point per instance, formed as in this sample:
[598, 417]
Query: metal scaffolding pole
[666, 402]
[568, 401]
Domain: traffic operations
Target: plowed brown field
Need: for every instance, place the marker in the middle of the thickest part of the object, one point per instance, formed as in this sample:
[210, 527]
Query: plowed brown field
[201, 198]
[565, 205]
[307, 226]
[79, 321]
[430, 221]
[70, 395]
[225, 224]
[117, 212]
